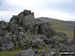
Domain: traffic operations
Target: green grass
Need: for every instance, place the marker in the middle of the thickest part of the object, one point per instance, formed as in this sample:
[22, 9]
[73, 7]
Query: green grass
[68, 33]
[61, 39]
[9, 53]
[56, 23]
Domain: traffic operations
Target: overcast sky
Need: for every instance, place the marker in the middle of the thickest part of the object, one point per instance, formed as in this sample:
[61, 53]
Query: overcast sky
[59, 9]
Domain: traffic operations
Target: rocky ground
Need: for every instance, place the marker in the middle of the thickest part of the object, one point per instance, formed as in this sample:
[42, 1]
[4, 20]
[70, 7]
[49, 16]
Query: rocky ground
[32, 36]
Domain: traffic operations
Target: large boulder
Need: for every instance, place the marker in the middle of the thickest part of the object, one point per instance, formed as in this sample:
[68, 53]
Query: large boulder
[51, 40]
[46, 29]
[2, 23]
[62, 37]
[37, 43]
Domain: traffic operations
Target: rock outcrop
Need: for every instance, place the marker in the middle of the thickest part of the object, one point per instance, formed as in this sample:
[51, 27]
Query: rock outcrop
[24, 19]
[31, 35]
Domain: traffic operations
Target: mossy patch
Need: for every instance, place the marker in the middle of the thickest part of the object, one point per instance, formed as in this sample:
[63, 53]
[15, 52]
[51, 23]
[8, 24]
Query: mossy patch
[9, 53]
[68, 33]
[60, 38]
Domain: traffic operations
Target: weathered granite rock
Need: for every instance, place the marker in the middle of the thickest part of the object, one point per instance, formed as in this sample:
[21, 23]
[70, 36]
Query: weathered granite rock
[6, 42]
[62, 35]
[3, 26]
[25, 19]
[2, 32]
[2, 23]
[15, 28]
[37, 43]
[51, 40]
[45, 29]
[64, 47]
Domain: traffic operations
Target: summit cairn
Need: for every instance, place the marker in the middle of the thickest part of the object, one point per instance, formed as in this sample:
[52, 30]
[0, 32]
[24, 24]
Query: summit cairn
[24, 19]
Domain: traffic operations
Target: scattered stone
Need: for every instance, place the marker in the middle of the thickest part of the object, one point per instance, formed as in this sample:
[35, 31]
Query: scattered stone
[28, 52]
[63, 35]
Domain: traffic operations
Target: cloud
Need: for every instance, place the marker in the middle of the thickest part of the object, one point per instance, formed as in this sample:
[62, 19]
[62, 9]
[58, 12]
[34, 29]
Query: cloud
[61, 5]
[23, 3]
[55, 14]
[39, 4]
[60, 9]
[6, 15]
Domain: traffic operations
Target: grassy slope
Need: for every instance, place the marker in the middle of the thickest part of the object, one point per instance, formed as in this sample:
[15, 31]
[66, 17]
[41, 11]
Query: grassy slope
[68, 32]
[61, 26]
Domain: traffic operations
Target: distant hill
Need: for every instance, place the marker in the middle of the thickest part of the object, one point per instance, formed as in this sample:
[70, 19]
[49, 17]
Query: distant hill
[60, 25]
[71, 22]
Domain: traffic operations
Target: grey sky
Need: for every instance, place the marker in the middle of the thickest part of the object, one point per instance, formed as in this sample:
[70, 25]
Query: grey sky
[59, 9]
